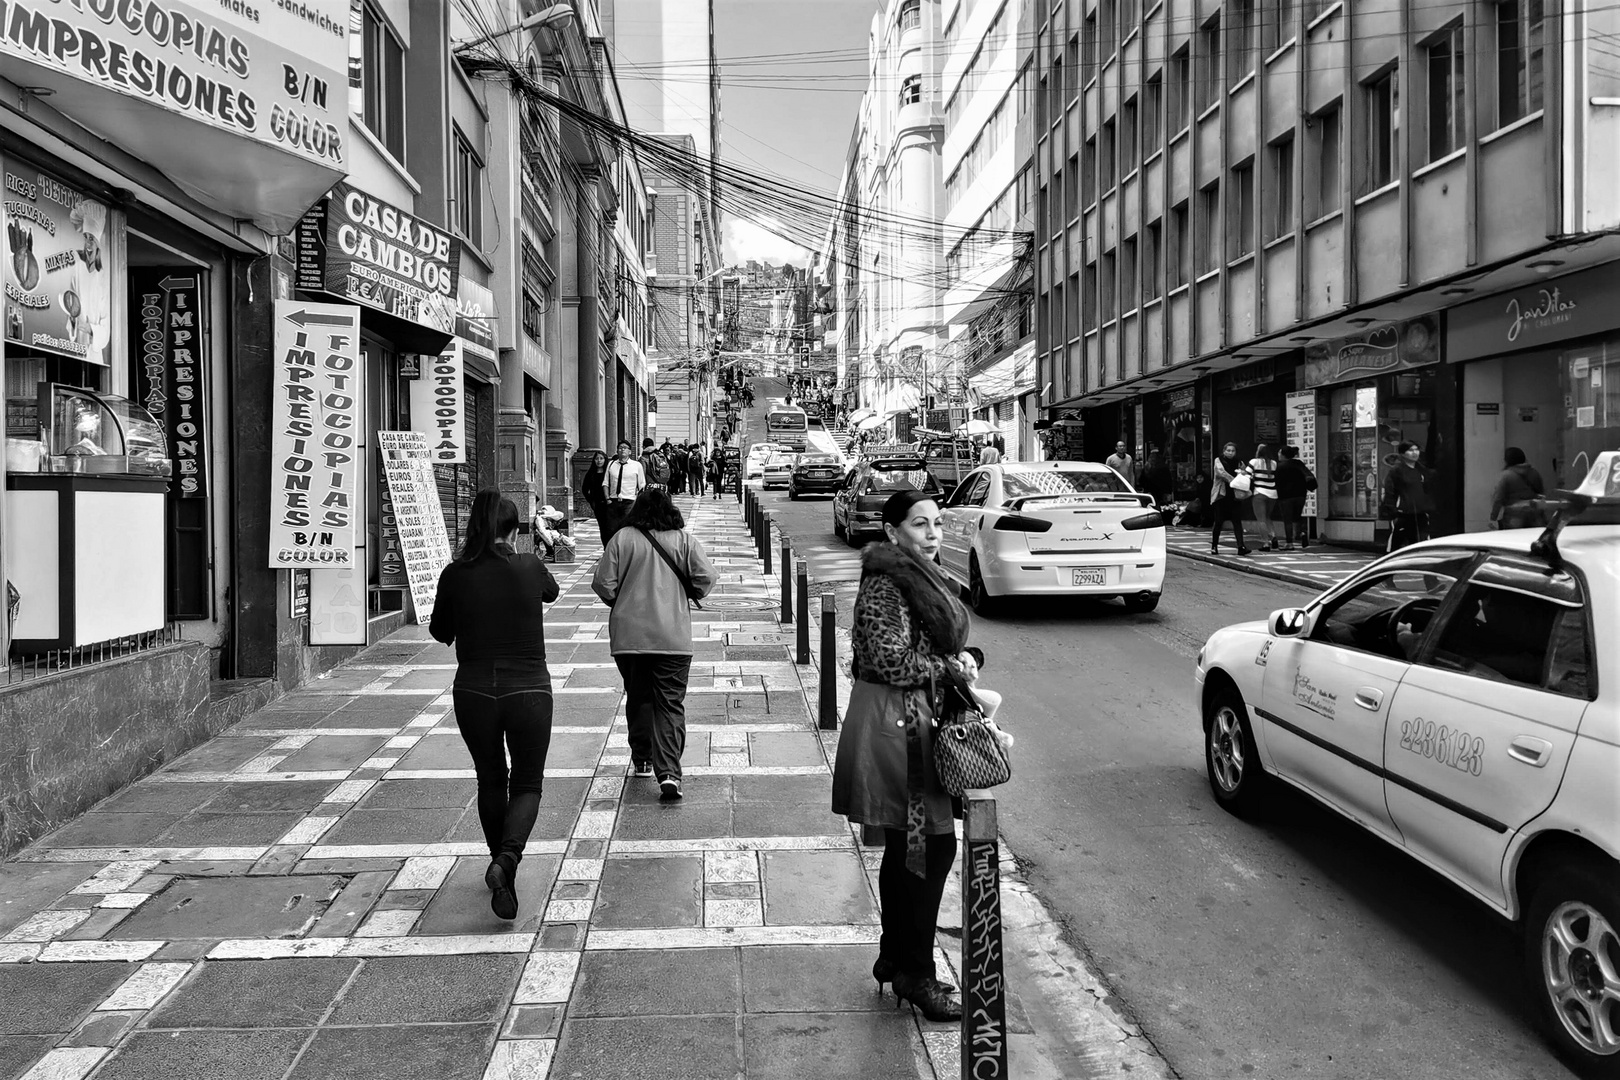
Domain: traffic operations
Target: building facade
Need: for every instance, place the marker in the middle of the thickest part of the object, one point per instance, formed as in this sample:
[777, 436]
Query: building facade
[1275, 223]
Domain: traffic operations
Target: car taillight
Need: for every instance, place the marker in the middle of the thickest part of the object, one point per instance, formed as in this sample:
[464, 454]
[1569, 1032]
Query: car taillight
[1022, 523]
[1153, 520]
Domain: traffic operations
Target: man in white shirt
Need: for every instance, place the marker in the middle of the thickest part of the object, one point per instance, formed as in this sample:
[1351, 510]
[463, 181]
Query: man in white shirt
[1122, 463]
[624, 480]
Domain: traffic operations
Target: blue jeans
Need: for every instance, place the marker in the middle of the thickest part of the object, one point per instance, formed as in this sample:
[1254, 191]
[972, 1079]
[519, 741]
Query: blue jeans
[495, 718]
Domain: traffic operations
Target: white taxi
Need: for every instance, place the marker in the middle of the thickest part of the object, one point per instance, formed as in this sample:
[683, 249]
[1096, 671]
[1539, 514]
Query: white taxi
[1452, 698]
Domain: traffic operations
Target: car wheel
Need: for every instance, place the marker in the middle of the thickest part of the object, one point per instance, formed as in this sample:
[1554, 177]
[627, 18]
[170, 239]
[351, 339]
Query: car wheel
[1141, 603]
[979, 599]
[838, 529]
[1572, 965]
[1230, 756]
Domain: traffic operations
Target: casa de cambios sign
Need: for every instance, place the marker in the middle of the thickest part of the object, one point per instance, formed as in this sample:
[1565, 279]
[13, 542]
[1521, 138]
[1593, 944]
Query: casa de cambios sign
[355, 246]
[1575, 305]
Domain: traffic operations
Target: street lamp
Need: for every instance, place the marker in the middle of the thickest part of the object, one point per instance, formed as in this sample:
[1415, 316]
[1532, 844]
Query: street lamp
[554, 15]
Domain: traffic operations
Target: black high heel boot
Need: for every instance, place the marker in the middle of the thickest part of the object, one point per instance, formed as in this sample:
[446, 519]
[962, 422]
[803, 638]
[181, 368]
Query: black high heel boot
[501, 877]
[929, 995]
[885, 970]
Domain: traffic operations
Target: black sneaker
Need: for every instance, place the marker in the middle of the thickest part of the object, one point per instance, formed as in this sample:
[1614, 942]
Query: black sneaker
[669, 789]
[643, 768]
[501, 879]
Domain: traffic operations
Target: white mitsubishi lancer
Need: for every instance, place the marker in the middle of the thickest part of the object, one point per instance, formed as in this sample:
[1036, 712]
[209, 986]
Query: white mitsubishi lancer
[1453, 699]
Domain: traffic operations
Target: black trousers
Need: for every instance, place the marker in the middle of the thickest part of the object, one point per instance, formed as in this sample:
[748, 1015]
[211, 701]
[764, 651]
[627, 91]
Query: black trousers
[1227, 508]
[655, 708]
[612, 516]
[911, 903]
[495, 720]
[697, 482]
[1288, 512]
[677, 481]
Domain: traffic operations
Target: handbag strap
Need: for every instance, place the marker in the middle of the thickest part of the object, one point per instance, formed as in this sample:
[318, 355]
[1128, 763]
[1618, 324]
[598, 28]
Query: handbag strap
[680, 575]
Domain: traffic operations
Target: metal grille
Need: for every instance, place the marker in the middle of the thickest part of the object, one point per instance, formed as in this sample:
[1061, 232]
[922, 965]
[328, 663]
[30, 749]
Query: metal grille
[62, 661]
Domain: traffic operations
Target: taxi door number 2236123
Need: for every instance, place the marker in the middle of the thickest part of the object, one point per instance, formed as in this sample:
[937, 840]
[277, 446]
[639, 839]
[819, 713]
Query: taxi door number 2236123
[1448, 746]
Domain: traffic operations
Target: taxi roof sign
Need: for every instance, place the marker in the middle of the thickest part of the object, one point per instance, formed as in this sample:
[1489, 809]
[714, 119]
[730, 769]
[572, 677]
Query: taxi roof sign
[1603, 478]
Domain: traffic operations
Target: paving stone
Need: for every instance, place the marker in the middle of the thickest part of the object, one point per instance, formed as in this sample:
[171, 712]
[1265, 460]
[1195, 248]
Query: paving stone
[567, 937]
[787, 706]
[38, 999]
[575, 751]
[29, 887]
[670, 1048]
[780, 790]
[18, 1052]
[240, 1055]
[595, 677]
[185, 950]
[392, 827]
[267, 797]
[813, 1046]
[227, 830]
[159, 798]
[101, 1029]
[255, 994]
[816, 888]
[533, 1022]
[430, 990]
[436, 1052]
[550, 823]
[230, 907]
[111, 830]
[264, 719]
[643, 983]
[353, 904]
[346, 866]
[785, 748]
[811, 978]
[98, 925]
[326, 752]
[461, 904]
[695, 790]
[419, 795]
[788, 819]
[645, 893]
[438, 752]
[220, 755]
[587, 849]
[673, 822]
[439, 679]
[405, 899]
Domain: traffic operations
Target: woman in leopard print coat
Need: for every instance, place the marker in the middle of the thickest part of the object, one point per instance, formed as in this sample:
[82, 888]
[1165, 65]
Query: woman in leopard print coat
[909, 627]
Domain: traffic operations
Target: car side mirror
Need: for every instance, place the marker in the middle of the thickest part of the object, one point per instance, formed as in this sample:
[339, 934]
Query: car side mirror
[1289, 622]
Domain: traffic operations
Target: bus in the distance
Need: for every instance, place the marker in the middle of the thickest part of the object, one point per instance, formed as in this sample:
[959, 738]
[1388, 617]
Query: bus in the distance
[787, 425]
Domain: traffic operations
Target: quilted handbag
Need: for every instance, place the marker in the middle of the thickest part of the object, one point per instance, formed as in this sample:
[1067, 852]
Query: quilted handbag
[967, 753]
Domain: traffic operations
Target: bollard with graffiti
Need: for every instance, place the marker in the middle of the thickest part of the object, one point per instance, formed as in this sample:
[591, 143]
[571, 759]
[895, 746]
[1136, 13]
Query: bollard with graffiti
[984, 990]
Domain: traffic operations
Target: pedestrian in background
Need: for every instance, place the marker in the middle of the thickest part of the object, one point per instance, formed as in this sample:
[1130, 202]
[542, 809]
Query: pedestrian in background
[675, 454]
[909, 628]
[1406, 503]
[1122, 462]
[491, 607]
[1223, 501]
[1294, 484]
[647, 575]
[717, 471]
[1263, 468]
[625, 479]
[654, 465]
[695, 468]
[595, 494]
[1513, 501]
[1157, 480]
[989, 455]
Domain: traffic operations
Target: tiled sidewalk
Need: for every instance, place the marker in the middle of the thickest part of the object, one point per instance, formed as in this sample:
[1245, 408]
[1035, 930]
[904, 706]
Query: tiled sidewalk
[303, 896]
[1319, 566]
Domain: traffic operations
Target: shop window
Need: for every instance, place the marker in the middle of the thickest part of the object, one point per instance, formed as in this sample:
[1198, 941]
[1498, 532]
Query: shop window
[1519, 60]
[1324, 173]
[383, 79]
[469, 194]
[1280, 188]
[1382, 97]
[1446, 86]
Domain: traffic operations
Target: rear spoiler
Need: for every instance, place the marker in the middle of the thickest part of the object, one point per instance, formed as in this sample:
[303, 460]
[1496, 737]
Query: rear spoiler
[1089, 496]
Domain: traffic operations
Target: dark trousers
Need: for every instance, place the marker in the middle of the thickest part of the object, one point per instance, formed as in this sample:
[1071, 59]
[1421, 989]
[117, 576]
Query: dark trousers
[911, 903]
[614, 511]
[697, 483]
[677, 481]
[1288, 512]
[1408, 529]
[655, 708]
[493, 721]
[1227, 508]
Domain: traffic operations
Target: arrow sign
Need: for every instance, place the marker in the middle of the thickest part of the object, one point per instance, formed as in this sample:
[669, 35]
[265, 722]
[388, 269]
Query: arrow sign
[304, 318]
[170, 284]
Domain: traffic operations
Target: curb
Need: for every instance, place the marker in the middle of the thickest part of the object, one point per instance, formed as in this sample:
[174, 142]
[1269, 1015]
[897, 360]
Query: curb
[1258, 570]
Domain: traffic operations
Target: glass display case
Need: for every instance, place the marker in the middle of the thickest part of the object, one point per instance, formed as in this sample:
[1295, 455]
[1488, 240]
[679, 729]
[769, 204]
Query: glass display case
[85, 432]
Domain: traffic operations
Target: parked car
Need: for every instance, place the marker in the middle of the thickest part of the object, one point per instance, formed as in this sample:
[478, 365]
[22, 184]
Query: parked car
[778, 469]
[950, 460]
[858, 504]
[758, 455]
[1452, 698]
[816, 474]
[1052, 528]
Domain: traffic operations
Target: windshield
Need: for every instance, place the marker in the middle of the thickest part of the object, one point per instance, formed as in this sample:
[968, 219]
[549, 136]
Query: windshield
[1018, 485]
[900, 480]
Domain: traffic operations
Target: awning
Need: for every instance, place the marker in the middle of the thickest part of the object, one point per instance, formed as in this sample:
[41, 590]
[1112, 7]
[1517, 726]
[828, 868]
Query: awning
[215, 115]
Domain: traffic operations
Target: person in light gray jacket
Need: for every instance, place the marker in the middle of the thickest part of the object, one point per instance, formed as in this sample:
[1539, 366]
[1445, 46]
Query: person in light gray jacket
[643, 575]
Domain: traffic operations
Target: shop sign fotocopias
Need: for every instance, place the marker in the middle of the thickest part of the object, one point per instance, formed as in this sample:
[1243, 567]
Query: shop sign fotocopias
[439, 405]
[58, 277]
[360, 248]
[316, 416]
[170, 324]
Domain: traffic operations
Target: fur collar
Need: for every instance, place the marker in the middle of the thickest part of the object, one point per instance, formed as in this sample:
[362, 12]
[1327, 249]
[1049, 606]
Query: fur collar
[929, 594]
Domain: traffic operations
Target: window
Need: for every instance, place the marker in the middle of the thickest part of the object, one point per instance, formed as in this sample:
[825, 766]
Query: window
[1240, 216]
[1089, 40]
[1088, 299]
[1129, 158]
[1209, 225]
[1178, 257]
[383, 78]
[1323, 172]
[1363, 616]
[1105, 156]
[1071, 307]
[911, 90]
[1209, 63]
[1127, 274]
[1280, 188]
[1153, 114]
[1128, 18]
[1088, 173]
[1383, 131]
[1151, 241]
[1180, 90]
[1444, 59]
[1077, 77]
[1277, 24]
[1519, 60]
[1108, 300]
[469, 192]
[1107, 29]
[1056, 87]
[911, 15]
[1240, 51]
[972, 491]
[1516, 625]
[534, 318]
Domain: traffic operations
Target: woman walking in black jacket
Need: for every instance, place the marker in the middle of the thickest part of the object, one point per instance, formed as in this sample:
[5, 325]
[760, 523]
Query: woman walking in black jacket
[491, 607]
[596, 495]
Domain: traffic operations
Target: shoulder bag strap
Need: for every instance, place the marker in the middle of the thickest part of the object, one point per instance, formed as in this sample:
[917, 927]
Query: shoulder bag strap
[669, 561]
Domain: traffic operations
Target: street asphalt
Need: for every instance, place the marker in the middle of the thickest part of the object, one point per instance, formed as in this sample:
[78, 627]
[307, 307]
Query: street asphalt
[1294, 945]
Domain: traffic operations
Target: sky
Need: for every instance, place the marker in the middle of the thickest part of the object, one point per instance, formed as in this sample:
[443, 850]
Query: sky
[788, 107]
